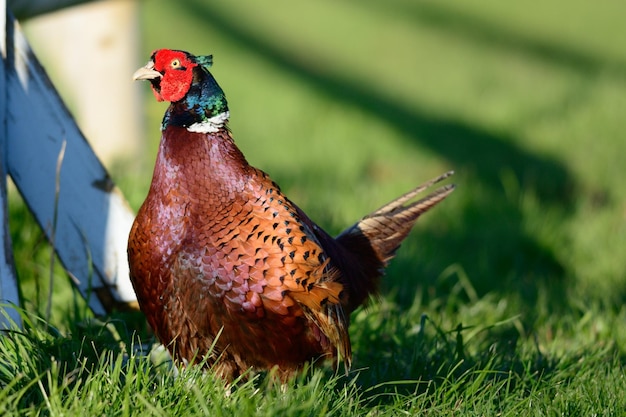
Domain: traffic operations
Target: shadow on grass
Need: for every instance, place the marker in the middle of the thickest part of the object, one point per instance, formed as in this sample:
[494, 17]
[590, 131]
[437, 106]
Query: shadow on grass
[474, 29]
[488, 239]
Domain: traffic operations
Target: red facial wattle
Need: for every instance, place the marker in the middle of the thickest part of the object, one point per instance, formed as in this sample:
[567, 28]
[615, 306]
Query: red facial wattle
[177, 70]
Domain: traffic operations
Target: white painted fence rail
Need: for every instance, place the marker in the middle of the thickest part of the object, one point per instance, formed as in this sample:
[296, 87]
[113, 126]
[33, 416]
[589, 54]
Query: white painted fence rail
[77, 205]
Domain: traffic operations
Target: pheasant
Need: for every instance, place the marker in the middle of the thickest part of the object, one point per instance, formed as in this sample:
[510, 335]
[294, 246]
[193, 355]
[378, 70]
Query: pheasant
[229, 271]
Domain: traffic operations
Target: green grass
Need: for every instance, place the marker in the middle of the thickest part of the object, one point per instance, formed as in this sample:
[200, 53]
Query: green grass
[506, 300]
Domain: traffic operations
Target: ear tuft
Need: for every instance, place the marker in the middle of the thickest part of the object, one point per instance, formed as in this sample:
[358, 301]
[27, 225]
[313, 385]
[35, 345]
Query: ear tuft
[204, 61]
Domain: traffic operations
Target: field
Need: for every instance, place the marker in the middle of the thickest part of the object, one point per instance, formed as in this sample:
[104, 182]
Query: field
[507, 299]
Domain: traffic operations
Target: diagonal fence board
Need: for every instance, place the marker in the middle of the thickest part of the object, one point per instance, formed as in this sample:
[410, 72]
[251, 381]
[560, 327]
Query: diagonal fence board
[88, 220]
[9, 293]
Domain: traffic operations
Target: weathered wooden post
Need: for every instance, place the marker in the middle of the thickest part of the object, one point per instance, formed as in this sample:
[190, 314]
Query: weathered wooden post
[72, 197]
[97, 40]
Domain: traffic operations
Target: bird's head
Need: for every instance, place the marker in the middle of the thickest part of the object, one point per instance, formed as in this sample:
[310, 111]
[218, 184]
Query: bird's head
[198, 102]
[171, 73]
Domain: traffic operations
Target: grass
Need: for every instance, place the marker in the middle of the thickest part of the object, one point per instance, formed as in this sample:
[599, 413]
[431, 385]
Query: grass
[506, 300]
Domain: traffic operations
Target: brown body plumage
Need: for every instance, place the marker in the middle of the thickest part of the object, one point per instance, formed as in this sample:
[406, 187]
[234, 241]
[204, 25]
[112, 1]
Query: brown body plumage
[223, 262]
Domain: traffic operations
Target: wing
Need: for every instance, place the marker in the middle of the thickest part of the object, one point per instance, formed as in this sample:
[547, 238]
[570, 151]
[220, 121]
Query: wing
[262, 266]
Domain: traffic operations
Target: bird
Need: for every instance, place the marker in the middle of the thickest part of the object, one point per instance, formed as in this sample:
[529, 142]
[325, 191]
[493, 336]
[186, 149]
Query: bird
[228, 271]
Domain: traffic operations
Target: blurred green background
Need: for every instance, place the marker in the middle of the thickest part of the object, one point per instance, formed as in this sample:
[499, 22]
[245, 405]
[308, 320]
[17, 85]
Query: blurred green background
[347, 104]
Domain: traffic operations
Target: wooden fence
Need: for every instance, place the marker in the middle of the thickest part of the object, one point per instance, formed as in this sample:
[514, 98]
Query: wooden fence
[66, 187]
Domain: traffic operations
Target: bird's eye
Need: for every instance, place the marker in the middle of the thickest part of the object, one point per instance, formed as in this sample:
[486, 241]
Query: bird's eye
[175, 63]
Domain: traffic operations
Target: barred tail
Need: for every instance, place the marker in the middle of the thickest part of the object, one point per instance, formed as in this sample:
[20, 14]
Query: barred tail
[379, 234]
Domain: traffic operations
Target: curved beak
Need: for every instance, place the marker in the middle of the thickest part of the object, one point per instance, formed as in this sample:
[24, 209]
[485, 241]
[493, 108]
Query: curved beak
[147, 73]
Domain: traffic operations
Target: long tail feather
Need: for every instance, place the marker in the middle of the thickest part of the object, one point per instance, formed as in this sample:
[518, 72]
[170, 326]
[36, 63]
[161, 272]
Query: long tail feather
[398, 202]
[374, 239]
[388, 226]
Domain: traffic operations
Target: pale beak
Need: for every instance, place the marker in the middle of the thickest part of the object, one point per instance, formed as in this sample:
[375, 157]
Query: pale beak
[147, 73]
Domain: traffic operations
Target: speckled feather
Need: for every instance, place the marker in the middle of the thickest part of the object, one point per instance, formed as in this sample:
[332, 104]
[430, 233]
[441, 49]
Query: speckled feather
[220, 258]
